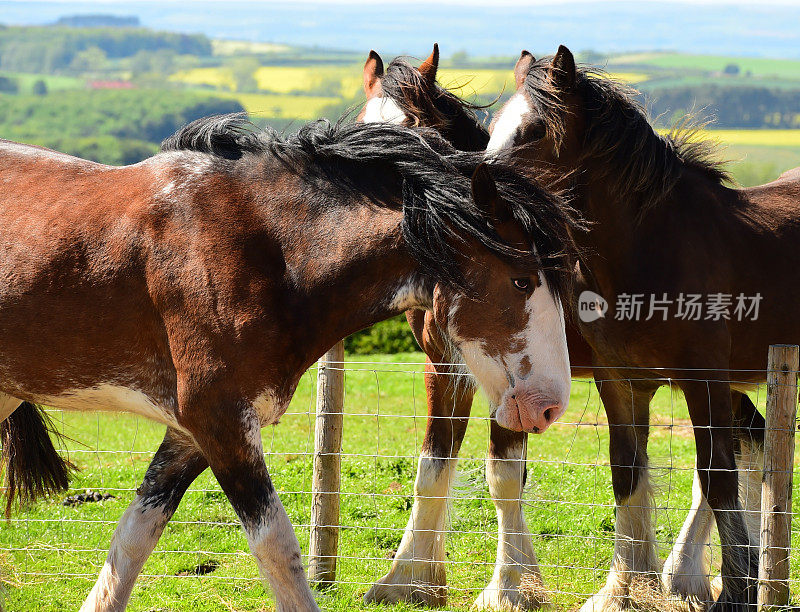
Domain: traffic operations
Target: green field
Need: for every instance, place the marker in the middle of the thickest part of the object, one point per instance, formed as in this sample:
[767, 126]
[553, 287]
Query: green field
[285, 86]
[52, 82]
[50, 554]
[757, 66]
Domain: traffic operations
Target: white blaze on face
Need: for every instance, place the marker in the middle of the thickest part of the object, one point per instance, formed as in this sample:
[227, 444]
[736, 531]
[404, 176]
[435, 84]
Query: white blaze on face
[546, 345]
[383, 110]
[508, 122]
[535, 377]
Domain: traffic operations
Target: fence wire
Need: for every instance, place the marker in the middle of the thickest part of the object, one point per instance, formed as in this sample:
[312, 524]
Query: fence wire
[568, 503]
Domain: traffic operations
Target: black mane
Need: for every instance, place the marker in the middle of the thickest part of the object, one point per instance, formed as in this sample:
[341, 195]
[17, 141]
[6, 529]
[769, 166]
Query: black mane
[379, 161]
[434, 106]
[638, 162]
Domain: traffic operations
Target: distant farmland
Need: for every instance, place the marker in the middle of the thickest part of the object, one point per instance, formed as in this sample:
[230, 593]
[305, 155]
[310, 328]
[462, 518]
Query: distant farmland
[284, 86]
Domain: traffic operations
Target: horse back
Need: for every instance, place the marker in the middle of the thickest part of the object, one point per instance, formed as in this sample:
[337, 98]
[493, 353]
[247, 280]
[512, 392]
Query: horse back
[90, 257]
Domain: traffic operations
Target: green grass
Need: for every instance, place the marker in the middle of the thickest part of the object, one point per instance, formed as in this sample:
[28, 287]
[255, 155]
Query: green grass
[26, 80]
[756, 165]
[52, 553]
[760, 67]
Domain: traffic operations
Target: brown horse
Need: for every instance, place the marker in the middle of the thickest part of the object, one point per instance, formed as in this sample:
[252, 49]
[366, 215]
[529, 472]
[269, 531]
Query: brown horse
[663, 223]
[196, 287]
[412, 96]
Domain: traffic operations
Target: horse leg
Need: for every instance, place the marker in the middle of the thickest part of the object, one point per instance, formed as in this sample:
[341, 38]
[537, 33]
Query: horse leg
[710, 409]
[686, 571]
[174, 467]
[418, 571]
[229, 436]
[750, 426]
[516, 560]
[635, 556]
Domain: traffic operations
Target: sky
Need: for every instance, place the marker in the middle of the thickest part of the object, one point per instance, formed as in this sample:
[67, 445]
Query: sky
[522, 3]
[767, 28]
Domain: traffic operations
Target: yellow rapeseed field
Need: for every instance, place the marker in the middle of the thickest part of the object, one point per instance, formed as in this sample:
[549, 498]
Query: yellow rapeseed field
[284, 106]
[757, 138]
[302, 92]
[214, 77]
[751, 138]
[346, 80]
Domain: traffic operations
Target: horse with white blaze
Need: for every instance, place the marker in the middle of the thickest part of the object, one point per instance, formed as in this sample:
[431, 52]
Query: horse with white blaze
[409, 95]
[196, 287]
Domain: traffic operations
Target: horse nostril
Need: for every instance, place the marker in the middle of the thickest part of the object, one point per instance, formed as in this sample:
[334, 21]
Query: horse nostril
[547, 414]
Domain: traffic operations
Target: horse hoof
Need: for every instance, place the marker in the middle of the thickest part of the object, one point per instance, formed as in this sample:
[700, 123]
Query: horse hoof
[606, 602]
[415, 593]
[693, 588]
[428, 585]
[520, 598]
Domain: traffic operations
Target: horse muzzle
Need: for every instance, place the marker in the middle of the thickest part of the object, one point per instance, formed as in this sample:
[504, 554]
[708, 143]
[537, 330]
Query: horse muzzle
[530, 411]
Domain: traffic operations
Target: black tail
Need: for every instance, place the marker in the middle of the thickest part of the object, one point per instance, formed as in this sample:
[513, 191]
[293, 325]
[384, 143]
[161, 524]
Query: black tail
[32, 466]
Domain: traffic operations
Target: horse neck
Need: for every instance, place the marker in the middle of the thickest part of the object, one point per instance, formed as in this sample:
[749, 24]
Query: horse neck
[612, 220]
[466, 134]
[361, 272]
[620, 229]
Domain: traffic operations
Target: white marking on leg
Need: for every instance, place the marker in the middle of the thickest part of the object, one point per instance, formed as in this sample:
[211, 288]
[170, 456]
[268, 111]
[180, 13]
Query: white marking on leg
[134, 539]
[634, 548]
[419, 562]
[686, 570]
[277, 552]
[515, 555]
[750, 464]
[272, 539]
[426, 525]
[507, 124]
[383, 109]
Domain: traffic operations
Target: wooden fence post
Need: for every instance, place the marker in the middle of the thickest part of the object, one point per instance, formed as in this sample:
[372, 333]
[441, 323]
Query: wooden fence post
[776, 494]
[324, 542]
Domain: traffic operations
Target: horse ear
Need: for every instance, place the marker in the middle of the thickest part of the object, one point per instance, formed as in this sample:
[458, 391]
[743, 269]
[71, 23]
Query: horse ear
[523, 67]
[562, 72]
[484, 194]
[373, 71]
[428, 68]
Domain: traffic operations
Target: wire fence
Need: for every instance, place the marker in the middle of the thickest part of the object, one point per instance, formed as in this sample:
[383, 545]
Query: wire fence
[60, 545]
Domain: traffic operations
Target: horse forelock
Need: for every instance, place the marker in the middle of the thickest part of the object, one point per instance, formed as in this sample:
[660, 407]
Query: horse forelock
[431, 105]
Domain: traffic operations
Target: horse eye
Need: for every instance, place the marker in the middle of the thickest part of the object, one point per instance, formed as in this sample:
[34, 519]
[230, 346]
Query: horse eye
[535, 130]
[522, 284]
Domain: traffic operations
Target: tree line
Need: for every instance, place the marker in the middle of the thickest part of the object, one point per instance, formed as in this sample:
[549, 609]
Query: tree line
[53, 50]
[731, 106]
[110, 126]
